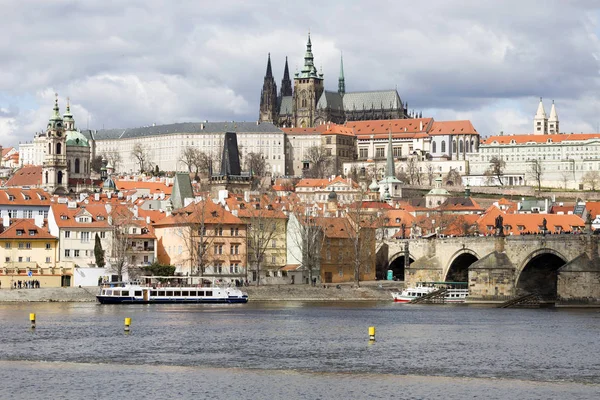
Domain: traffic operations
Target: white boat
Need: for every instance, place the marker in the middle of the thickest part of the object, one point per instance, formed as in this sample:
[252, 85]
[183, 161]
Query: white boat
[138, 293]
[455, 292]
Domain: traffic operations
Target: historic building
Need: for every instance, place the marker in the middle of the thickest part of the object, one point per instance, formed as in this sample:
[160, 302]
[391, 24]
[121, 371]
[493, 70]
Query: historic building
[309, 104]
[63, 152]
[544, 125]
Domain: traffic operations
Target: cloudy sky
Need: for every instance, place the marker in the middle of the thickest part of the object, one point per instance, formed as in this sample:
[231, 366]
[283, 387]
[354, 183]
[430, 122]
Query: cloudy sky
[134, 63]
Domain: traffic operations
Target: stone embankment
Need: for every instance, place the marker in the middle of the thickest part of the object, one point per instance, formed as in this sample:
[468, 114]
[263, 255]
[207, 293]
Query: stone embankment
[368, 291]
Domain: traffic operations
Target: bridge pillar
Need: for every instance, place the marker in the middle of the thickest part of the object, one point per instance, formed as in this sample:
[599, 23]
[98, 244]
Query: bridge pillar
[493, 276]
[578, 281]
[425, 269]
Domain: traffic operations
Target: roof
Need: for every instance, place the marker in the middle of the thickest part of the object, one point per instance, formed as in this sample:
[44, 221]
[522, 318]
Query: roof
[386, 99]
[517, 224]
[28, 175]
[401, 128]
[153, 187]
[324, 183]
[186, 127]
[65, 216]
[26, 225]
[5, 150]
[531, 138]
[286, 105]
[452, 128]
[74, 138]
[195, 213]
[332, 100]
[24, 197]
[397, 217]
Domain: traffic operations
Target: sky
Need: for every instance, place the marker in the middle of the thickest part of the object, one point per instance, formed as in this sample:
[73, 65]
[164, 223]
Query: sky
[126, 64]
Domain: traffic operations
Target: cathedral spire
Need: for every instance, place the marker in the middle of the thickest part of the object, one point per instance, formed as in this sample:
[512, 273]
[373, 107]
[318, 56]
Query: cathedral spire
[541, 113]
[341, 80]
[286, 83]
[309, 70]
[269, 73]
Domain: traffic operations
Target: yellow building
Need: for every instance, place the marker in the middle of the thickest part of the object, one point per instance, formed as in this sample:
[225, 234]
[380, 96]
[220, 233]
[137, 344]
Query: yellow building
[29, 253]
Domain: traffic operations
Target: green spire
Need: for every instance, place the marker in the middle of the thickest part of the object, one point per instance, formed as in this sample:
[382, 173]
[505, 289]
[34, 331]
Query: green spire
[309, 70]
[341, 81]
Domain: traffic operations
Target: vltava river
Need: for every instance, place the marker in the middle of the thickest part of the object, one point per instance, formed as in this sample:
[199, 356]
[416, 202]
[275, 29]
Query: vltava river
[292, 350]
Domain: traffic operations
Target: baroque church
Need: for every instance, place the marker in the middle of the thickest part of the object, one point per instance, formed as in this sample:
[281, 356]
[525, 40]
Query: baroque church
[308, 104]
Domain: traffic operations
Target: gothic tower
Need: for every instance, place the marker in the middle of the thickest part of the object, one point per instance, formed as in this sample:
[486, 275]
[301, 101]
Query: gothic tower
[268, 96]
[308, 87]
[341, 80]
[540, 121]
[553, 121]
[286, 83]
[54, 169]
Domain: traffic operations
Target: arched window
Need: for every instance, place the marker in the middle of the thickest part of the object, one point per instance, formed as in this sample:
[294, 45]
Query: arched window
[77, 165]
[59, 176]
[460, 146]
[68, 165]
[453, 148]
[58, 148]
[433, 148]
[46, 176]
[467, 146]
[443, 146]
[49, 148]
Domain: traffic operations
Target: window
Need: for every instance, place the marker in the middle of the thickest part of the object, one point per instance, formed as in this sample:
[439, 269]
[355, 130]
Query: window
[32, 232]
[363, 153]
[7, 245]
[48, 246]
[273, 259]
[67, 253]
[20, 232]
[397, 151]
[28, 245]
[27, 259]
[47, 260]
[7, 259]
[102, 235]
[218, 249]
[20, 259]
[85, 237]
[21, 245]
[75, 253]
[274, 243]
[67, 234]
[380, 152]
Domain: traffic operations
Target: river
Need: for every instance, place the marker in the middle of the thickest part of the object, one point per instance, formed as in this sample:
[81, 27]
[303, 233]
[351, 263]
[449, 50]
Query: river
[294, 350]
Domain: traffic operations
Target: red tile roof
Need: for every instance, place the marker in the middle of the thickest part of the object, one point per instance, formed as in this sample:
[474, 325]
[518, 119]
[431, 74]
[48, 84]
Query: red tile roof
[464, 127]
[531, 138]
[153, 187]
[26, 226]
[65, 217]
[24, 197]
[194, 213]
[28, 175]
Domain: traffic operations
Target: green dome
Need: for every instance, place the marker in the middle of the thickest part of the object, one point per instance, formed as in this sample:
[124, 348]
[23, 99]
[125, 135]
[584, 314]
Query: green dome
[75, 138]
[438, 192]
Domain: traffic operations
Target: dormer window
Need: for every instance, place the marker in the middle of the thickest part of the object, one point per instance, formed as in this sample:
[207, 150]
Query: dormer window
[63, 217]
[32, 232]
[20, 232]
[11, 197]
[100, 218]
[397, 220]
[214, 213]
[26, 197]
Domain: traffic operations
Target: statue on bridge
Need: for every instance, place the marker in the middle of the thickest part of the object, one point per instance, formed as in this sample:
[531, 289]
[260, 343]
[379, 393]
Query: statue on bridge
[499, 226]
[544, 226]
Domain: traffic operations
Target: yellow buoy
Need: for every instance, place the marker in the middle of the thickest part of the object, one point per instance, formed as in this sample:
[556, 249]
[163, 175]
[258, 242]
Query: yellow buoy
[372, 333]
[32, 320]
[127, 324]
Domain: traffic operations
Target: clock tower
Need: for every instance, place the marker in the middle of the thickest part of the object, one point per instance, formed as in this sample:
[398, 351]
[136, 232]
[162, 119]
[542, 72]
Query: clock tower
[54, 169]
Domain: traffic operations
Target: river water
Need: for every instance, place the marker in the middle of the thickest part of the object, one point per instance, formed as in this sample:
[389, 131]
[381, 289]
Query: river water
[294, 350]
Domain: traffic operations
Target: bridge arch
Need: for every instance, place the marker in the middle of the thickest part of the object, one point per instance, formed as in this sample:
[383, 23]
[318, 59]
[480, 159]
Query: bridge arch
[396, 264]
[457, 269]
[539, 272]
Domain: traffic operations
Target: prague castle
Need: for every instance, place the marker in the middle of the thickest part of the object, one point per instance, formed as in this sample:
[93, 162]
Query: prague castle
[308, 104]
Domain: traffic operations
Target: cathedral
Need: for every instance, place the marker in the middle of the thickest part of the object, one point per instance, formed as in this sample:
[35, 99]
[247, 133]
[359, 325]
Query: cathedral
[308, 104]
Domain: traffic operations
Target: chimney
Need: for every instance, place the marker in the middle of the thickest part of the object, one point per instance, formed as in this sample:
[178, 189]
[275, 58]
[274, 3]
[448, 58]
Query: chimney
[39, 221]
[148, 220]
[97, 196]
[421, 125]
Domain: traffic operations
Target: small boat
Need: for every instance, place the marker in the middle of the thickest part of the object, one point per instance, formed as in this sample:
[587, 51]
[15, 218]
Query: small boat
[455, 292]
[140, 293]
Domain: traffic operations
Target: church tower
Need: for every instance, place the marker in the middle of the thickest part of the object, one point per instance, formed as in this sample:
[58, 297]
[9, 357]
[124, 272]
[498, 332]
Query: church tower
[540, 121]
[268, 96]
[54, 169]
[341, 80]
[286, 83]
[308, 87]
[553, 127]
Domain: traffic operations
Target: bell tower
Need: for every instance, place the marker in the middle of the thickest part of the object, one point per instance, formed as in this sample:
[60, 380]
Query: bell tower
[268, 96]
[308, 87]
[54, 168]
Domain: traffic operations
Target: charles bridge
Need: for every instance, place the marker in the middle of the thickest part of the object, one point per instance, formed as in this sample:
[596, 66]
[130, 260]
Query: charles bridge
[562, 268]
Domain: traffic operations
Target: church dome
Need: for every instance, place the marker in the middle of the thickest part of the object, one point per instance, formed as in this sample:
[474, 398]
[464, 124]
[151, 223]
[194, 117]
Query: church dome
[75, 138]
[374, 187]
[332, 196]
[109, 184]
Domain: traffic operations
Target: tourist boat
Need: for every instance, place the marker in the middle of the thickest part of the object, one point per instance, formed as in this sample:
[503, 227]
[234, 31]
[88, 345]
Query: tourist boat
[140, 293]
[456, 292]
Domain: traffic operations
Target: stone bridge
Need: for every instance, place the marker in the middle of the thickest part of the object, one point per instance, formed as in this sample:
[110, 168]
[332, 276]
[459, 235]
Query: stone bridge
[565, 268]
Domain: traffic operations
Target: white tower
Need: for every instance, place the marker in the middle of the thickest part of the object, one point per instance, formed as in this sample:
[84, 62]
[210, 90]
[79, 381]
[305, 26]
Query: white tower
[553, 121]
[540, 121]
[54, 170]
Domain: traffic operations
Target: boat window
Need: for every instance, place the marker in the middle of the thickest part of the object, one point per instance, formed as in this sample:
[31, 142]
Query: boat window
[161, 293]
[193, 293]
[185, 293]
[209, 293]
[153, 293]
[201, 293]
[419, 294]
[117, 293]
[138, 292]
[177, 294]
[125, 293]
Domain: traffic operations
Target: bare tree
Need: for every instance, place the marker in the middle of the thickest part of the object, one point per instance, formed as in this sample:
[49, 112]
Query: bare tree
[320, 161]
[140, 154]
[262, 229]
[496, 169]
[536, 172]
[121, 221]
[307, 237]
[190, 156]
[591, 179]
[430, 173]
[412, 170]
[114, 157]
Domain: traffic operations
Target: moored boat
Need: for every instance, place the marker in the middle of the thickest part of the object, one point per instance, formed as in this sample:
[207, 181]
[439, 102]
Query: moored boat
[455, 292]
[140, 293]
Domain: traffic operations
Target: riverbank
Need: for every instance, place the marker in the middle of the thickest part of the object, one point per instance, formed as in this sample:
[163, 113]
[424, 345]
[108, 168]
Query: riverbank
[371, 291]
